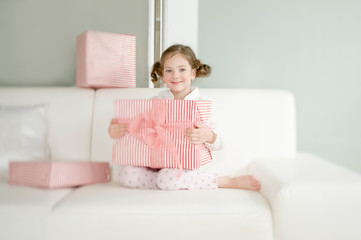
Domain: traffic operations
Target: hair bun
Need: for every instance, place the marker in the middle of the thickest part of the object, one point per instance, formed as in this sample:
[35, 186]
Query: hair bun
[203, 70]
[198, 64]
[156, 71]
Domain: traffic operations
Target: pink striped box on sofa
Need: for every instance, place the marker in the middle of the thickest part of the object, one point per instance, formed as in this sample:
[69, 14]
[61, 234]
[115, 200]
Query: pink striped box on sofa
[156, 133]
[106, 60]
[58, 174]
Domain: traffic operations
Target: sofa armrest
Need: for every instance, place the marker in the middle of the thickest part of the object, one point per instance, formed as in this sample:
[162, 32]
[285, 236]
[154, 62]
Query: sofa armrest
[310, 198]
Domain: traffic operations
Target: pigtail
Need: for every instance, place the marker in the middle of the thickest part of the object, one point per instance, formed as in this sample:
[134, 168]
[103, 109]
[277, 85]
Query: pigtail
[156, 72]
[203, 70]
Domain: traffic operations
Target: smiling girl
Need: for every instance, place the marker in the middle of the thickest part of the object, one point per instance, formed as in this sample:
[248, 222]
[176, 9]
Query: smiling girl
[178, 68]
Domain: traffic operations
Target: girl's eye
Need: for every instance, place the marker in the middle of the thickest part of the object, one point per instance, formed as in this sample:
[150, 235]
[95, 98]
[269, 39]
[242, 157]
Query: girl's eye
[168, 70]
[182, 69]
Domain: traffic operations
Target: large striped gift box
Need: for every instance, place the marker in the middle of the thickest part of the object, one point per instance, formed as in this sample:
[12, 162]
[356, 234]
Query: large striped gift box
[58, 174]
[106, 60]
[156, 130]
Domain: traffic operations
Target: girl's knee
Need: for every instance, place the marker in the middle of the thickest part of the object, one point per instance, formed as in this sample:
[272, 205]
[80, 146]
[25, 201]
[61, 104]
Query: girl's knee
[167, 179]
[138, 177]
[126, 175]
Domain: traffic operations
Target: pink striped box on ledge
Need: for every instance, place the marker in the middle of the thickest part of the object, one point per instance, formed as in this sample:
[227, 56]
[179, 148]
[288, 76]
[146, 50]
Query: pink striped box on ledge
[58, 174]
[156, 133]
[106, 60]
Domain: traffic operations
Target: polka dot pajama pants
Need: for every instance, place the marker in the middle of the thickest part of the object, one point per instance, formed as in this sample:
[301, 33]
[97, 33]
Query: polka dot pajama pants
[166, 178]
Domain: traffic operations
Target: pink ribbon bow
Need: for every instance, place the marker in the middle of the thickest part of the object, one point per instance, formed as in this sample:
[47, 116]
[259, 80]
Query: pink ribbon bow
[151, 129]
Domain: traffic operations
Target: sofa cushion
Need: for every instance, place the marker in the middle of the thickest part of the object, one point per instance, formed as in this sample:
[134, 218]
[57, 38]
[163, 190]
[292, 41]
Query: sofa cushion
[255, 123]
[69, 114]
[23, 134]
[148, 214]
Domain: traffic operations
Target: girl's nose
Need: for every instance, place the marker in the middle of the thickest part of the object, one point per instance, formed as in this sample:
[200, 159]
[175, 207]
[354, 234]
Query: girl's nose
[175, 74]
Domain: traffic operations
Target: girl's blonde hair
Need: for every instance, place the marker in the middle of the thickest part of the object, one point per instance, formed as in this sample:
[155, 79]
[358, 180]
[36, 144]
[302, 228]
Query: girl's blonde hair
[202, 70]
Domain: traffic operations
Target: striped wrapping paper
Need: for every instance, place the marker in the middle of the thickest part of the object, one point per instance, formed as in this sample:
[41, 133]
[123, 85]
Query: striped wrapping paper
[106, 60]
[161, 145]
[58, 174]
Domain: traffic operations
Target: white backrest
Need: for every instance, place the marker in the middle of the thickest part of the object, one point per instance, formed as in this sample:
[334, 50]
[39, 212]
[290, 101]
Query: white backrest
[255, 123]
[69, 114]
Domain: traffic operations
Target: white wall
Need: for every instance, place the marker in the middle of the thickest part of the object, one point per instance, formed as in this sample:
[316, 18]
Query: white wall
[311, 47]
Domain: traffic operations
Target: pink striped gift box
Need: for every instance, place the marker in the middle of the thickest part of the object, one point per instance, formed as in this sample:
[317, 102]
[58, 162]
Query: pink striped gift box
[156, 136]
[58, 174]
[106, 60]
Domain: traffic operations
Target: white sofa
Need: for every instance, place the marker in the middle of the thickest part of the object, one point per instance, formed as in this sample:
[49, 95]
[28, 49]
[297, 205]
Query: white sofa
[302, 197]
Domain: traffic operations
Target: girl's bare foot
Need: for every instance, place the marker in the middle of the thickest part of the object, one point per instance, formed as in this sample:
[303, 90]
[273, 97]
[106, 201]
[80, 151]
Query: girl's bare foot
[247, 182]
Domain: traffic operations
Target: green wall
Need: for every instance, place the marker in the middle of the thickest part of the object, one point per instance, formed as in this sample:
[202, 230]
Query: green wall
[309, 47]
[38, 38]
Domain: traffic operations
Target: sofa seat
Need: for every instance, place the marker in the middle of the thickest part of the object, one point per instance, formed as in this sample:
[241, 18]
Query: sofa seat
[24, 210]
[218, 212]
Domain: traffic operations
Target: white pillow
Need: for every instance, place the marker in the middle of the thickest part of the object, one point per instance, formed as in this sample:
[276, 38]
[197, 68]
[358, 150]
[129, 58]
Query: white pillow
[23, 134]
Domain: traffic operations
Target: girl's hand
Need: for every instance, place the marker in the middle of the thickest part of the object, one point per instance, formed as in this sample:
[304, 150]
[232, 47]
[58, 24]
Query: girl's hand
[117, 130]
[200, 134]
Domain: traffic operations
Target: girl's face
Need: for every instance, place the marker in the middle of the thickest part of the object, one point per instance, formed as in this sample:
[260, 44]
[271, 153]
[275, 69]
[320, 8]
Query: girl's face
[178, 75]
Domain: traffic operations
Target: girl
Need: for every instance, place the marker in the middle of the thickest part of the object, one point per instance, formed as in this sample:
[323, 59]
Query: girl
[178, 67]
